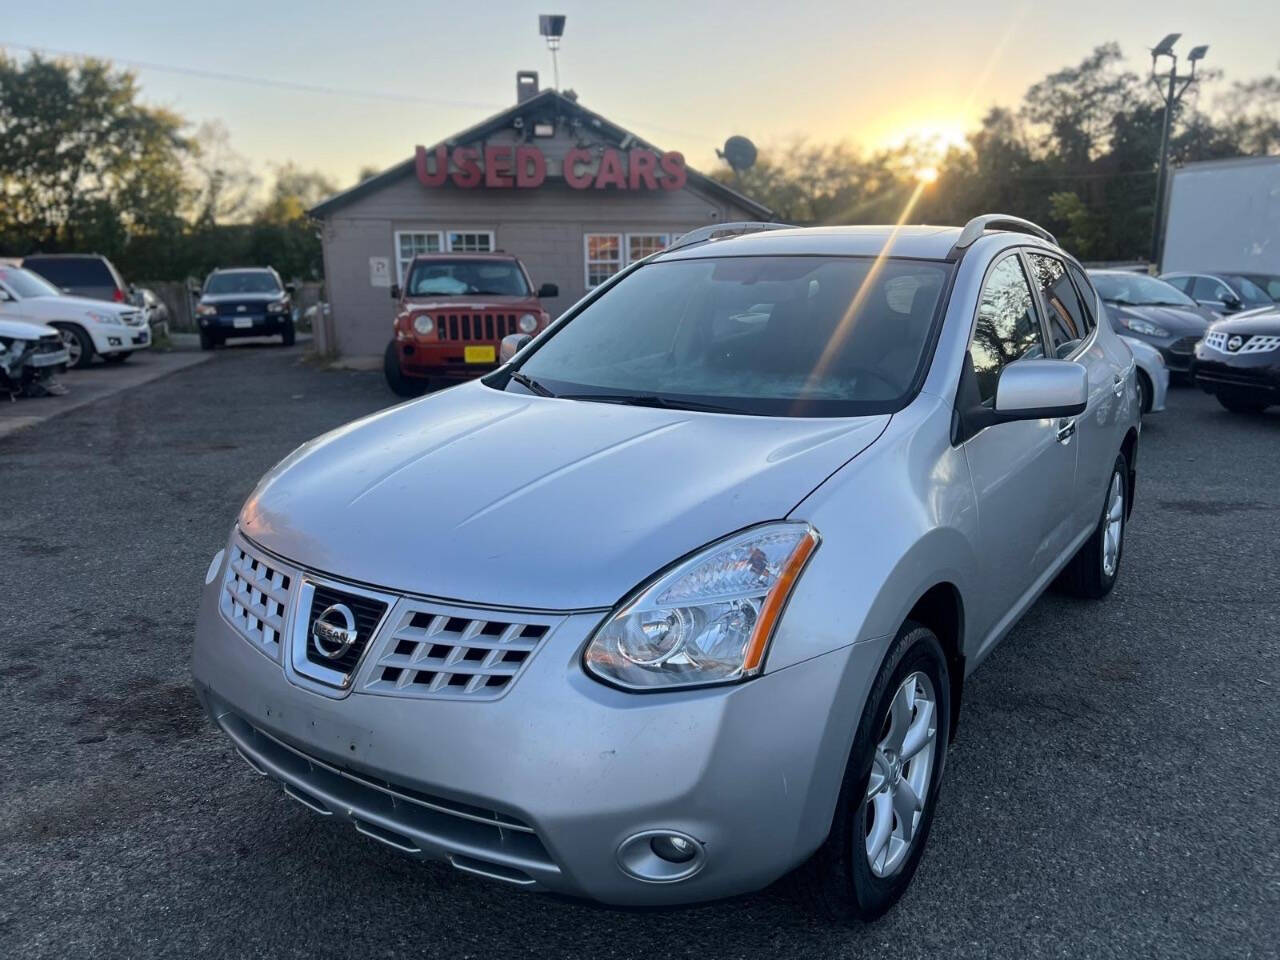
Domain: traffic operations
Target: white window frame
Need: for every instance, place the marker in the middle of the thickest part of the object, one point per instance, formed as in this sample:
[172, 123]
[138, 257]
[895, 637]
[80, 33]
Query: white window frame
[448, 239]
[624, 250]
[402, 263]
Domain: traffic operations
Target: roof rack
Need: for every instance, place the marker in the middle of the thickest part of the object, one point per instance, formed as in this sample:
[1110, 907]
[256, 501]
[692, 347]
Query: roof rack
[975, 228]
[716, 231]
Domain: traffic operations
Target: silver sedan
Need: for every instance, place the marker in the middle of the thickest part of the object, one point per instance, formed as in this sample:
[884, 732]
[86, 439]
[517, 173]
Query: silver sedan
[683, 596]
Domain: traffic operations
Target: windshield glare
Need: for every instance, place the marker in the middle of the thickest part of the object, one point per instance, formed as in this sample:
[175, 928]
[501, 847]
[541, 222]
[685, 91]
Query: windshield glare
[26, 284]
[1138, 289]
[241, 281]
[466, 278]
[779, 336]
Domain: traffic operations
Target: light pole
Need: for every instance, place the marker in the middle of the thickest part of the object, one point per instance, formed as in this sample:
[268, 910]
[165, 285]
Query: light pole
[1177, 86]
[551, 26]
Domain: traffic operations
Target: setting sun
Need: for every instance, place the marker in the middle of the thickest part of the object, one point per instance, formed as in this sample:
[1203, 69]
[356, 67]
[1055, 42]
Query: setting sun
[927, 174]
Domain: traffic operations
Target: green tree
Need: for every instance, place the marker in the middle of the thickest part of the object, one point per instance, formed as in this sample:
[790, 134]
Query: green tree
[293, 193]
[83, 164]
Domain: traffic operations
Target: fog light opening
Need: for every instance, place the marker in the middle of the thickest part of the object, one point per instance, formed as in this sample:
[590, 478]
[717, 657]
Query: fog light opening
[661, 856]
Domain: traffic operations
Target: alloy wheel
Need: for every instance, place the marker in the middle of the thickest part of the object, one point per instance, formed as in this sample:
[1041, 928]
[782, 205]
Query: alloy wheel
[901, 774]
[72, 343]
[1113, 532]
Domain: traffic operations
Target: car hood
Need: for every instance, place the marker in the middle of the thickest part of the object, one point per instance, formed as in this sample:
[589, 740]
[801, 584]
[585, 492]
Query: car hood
[23, 330]
[488, 497]
[471, 303]
[58, 307]
[1265, 321]
[1177, 320]
[243, 297]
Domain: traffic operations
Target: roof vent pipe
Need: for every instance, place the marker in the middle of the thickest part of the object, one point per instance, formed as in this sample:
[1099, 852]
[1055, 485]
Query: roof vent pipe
[526, 85]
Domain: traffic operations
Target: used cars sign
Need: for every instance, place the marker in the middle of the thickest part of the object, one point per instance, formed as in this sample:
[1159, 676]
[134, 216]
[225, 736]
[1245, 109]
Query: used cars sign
[502, 165]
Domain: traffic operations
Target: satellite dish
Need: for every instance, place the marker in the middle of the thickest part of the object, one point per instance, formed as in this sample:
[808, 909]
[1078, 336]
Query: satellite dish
[739, 153]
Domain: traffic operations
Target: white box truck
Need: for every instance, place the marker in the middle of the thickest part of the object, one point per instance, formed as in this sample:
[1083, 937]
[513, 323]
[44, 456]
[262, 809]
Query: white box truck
[1224, 217]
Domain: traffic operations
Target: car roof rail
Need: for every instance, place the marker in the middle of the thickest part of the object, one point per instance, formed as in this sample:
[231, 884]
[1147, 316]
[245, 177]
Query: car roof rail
[717, 231]
[975, 228]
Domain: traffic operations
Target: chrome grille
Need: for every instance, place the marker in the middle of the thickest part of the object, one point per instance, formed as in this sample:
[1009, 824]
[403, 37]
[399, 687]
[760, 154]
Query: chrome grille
[475, 326]
[255, 596]
[134, 318]
[1218, 340]
[431, 652]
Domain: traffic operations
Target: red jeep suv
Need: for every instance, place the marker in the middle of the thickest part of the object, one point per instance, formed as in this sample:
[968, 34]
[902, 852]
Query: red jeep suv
[453, 312]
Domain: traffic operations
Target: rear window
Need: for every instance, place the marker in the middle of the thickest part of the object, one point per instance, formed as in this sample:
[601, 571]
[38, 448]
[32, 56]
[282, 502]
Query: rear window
[72, 271]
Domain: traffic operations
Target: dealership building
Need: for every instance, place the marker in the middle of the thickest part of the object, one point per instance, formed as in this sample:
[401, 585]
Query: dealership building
[573, 195]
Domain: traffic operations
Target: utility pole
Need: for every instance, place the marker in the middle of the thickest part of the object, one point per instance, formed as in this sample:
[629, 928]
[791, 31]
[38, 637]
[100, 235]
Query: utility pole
[1177, 86]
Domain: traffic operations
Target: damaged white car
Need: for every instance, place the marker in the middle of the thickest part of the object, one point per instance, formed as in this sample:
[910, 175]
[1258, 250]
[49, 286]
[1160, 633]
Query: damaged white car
[30, 355]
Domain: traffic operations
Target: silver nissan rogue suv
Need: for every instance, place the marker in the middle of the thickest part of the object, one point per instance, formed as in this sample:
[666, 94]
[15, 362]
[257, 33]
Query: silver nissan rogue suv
[682, 597]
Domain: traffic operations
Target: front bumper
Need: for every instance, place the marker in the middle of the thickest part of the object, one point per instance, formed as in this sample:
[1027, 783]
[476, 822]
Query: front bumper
[449, 360]
[119, 339]
[1255, 375]
[244, 325]
[751, 771]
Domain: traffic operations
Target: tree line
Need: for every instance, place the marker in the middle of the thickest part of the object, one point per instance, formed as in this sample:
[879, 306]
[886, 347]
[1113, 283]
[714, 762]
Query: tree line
[1078, 155]
[86, 167]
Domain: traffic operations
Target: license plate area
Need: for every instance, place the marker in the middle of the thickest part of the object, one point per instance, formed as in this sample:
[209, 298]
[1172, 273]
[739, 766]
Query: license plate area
[480, 354]
[243, 323]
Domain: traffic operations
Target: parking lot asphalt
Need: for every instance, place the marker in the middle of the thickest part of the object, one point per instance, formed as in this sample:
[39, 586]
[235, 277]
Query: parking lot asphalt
[1112, 791]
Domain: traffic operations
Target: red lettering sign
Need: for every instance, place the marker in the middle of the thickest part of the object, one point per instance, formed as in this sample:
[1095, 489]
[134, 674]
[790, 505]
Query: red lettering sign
[525, 166]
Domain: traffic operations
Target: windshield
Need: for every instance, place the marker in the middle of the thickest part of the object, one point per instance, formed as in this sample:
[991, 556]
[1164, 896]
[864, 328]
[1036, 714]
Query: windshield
[771, 336]
[241, 281]
[466, 278]
[26, 284]
[1250, 293]
[1139, 289]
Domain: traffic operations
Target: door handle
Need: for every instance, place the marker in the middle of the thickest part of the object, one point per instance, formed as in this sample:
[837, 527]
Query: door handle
[1066, 430]
[1118, 387]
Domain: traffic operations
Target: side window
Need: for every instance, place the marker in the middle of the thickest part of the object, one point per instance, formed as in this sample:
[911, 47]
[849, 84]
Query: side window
[1182, 283]
[1207, 288]
[1088, 297]
[1006, 328]
[1065, 311]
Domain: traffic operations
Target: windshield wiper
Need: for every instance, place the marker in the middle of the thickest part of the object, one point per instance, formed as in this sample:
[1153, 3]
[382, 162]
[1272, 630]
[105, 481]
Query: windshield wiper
[651, 400]
[530, 384]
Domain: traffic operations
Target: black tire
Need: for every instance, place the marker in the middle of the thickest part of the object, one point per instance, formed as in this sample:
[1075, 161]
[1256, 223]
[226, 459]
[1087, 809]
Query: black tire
[82, 339]
[1146, 392]
[1239, 404]
[837, 881]
[400, 385]
[1085, 575]
[120, 357]
[288, 337]
[207, 340]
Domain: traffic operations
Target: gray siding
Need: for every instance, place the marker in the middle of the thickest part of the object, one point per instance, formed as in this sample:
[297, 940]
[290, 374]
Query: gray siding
[544, 227]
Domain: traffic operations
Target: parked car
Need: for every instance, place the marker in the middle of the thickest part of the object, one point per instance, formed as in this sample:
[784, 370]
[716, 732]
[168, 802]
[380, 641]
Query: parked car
[88, 327]
[1153, 375]
[1155, 312]
[676, 601]
[453, 312]
[1239, 361]
[244, 302]
[30, 355]
[157, 310]
[83, 275]
[1222, 293]
[1267, 282]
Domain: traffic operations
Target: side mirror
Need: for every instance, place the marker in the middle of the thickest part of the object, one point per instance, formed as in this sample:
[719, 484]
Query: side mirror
[395, 291]
[4, 296]
[512, 344]
[1038, 389]
[1232, 303]
[193, 289]
[291, 288]
[548, 291]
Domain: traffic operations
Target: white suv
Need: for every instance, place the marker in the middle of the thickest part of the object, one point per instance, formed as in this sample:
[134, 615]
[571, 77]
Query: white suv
[88, 327]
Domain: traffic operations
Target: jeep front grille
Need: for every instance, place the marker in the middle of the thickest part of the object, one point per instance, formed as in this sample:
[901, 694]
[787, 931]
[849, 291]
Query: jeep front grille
[433, 653]
[255, 596]
[486, 327]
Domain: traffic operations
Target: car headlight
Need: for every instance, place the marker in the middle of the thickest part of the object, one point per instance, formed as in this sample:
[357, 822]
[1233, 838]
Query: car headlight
[110, 319]
[708, 619]
[528, 323]
[206, 310]
[279, 306]
[423, 324]
[1143, 326]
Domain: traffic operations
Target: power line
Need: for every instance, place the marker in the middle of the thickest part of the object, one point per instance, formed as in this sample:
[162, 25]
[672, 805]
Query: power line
[294, 85]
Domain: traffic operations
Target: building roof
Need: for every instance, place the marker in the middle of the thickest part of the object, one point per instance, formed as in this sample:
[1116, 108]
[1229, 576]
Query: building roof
[542, 103]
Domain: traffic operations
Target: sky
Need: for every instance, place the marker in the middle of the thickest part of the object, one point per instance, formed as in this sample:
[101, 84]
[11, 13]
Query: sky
[684, 75]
